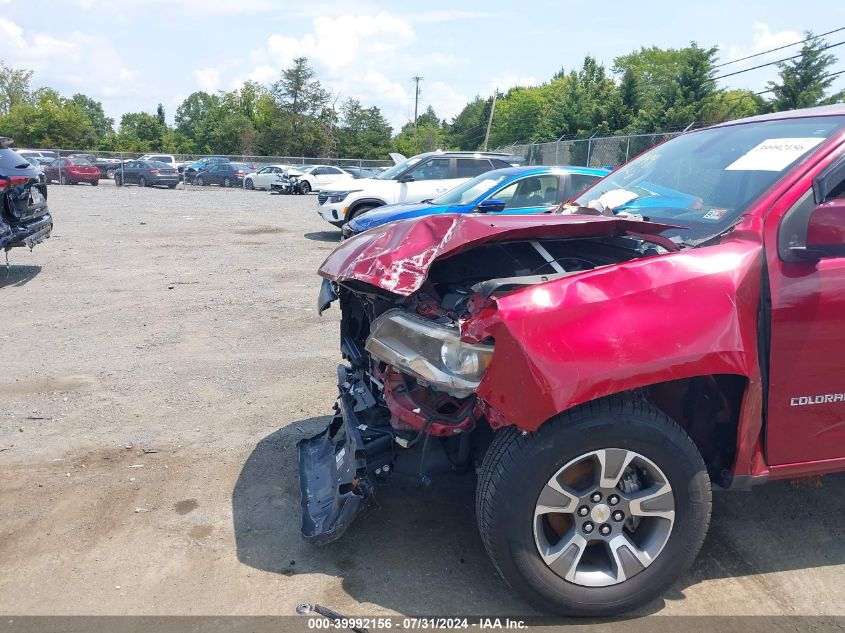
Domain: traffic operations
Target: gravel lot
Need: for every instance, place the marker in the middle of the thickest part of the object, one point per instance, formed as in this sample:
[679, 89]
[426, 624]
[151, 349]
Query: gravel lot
[162, 354]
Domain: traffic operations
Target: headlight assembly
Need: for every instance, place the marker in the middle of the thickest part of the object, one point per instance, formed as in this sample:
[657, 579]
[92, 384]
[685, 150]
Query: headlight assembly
[337, 196]
[430, 352]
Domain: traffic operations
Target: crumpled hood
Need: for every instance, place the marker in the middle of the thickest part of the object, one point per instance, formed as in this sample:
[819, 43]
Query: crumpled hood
[391, 212]
[398, 256]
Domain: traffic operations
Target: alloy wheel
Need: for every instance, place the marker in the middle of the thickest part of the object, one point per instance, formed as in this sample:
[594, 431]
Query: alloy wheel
[604, 517]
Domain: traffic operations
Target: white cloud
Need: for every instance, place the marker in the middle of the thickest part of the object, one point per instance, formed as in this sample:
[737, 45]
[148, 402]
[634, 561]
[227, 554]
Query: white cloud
[207, 79]
[511, 80]
[11, 34]
[763, 39]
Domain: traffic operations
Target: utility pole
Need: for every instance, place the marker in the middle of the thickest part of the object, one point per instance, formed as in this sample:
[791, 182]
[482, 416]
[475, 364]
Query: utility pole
[416, 79]
[490, 120]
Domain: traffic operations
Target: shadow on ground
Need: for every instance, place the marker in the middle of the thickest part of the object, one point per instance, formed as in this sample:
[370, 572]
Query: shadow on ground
[323, 236]
[17, 275]
[417, 550]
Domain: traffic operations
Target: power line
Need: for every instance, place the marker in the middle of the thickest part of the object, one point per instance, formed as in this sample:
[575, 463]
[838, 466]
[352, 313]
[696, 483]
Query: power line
[772, 50]
[777, 61]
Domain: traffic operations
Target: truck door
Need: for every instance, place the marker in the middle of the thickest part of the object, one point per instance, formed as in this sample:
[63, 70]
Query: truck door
[806, 403]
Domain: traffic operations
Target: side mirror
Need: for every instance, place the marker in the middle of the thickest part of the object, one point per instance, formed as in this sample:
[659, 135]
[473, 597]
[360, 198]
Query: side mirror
[407, 178]
[491, 205]
[825, 232]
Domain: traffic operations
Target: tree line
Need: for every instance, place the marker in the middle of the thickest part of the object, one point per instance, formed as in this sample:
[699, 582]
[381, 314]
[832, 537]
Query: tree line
[649, 90]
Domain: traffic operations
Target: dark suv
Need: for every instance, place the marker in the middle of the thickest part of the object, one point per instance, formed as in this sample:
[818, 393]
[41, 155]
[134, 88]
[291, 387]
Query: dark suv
[25, 219]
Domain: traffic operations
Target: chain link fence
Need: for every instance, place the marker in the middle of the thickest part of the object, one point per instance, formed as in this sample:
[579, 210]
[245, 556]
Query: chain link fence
[607, 151]
[111, 164]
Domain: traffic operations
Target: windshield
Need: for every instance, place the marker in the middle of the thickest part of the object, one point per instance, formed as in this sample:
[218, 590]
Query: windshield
[470, 190]
[705, 180]
[393, 172]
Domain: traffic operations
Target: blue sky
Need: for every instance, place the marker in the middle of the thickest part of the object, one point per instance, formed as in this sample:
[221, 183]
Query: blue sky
[133, 54]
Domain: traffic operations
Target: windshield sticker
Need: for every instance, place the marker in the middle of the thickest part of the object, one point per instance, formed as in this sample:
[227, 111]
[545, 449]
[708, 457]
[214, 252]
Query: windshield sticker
[774, 154]
[715, 214]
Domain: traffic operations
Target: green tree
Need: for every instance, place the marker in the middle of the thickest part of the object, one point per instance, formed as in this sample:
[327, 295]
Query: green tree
[141, 132]
[160, 115]
[467, 129]
[94, 111]
[362, 132]
[302, 100]
[14, 87]
[804, 81]
[49, 120]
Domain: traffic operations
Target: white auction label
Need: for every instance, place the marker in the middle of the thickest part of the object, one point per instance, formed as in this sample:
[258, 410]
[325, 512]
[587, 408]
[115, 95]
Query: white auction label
[774, 154]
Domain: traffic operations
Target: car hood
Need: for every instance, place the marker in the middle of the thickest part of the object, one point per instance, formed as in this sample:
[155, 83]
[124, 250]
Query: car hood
[391, 212]
[359, 184]
[398, 256]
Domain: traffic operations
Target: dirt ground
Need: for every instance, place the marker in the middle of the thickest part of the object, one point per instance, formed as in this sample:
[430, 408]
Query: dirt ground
[161, 356]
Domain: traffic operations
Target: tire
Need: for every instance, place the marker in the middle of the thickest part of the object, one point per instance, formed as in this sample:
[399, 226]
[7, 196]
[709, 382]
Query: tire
[199, 182]
[63, 180]
[142, 182]
[518, 467]
[118, 181]
[249, 184]
[95, 183]
[110, 174]
[304, 187]
[172, 186]
[227, 182]
[360, 211]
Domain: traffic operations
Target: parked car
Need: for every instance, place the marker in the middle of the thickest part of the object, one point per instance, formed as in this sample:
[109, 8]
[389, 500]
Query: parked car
[72, 171]
[190, 170]
[514, 190]
[361, 172]
[32, 157]
[147, 173]
[318, 177]
[108, 166]
[606, 365]
[264, 177]
[226, 174]
[25, 218]
[169, 159]
[418, 178]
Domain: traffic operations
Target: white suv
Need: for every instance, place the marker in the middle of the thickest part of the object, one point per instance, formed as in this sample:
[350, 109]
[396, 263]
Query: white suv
[413, 180]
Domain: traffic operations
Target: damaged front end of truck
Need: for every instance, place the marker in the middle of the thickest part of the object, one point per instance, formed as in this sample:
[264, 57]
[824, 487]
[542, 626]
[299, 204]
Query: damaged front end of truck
[432, 362]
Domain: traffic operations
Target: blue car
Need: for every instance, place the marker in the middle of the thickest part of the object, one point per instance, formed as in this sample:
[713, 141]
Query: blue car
[513, 190]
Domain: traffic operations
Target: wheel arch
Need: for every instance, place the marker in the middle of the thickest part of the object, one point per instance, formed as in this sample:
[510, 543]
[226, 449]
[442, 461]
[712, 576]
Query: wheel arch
[369, 202]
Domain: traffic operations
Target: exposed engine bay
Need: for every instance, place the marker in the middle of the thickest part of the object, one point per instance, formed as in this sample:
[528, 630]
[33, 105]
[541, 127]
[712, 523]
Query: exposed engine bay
[407, 399]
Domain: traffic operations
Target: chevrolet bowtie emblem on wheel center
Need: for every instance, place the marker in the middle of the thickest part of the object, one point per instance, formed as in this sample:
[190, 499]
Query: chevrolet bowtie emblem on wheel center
[600, 513]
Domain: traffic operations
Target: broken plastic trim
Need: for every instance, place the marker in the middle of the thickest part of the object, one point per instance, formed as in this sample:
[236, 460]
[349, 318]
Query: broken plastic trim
[418, 347]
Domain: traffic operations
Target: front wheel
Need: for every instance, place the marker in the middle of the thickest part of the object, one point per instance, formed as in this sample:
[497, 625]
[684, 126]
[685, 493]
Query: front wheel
[95, 183]
[118, 181]
[596, 513]
[199, 182]
[142, 182]
[249, 184]
[359, 211]
[304, 187]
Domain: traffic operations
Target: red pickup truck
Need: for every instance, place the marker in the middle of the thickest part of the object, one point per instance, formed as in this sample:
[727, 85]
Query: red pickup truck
[678, 327]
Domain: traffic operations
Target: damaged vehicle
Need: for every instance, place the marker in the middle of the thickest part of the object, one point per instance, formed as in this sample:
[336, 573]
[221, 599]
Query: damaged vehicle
[25, 219]
[679, 327]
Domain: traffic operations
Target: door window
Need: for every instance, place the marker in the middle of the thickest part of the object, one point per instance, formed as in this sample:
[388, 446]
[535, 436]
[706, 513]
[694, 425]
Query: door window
[471, 167]
[580, 182]
[434, 169]
[533, 191]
